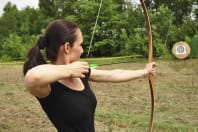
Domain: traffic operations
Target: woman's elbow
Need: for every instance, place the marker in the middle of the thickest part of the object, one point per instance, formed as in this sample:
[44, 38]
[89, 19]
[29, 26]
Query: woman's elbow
[31, 79]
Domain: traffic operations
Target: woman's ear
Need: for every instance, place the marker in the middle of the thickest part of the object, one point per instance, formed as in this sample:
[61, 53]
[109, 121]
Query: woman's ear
[67, 47]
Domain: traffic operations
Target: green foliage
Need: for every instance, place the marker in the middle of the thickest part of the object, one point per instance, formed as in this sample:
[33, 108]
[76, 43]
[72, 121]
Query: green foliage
[139, 44]
[189, 28]
[125, 43]
[121, 28]
[15, 47]
[12, 47]
[9, 21]
[105, 46]
[181, 9]
[194, 46]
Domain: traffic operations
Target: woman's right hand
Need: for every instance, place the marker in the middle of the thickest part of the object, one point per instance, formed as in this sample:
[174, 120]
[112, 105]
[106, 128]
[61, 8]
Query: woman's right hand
[79, 69]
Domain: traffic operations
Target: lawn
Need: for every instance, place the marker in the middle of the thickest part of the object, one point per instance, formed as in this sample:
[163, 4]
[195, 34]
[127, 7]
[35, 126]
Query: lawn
[122, 107]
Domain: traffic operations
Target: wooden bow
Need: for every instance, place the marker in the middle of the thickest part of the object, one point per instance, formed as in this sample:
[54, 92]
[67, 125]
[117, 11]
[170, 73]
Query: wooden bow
[150, 59]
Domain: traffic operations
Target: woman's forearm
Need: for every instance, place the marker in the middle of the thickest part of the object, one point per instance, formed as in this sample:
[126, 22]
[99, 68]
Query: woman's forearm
[117, 75]
[122, 75]
[127, 75]
[48, 73]
[45, 74]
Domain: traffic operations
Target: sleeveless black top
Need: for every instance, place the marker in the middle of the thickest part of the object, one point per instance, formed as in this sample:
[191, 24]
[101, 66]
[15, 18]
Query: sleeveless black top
[70, 110]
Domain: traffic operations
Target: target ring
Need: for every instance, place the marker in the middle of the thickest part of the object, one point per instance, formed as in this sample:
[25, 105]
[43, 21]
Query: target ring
[181, 50]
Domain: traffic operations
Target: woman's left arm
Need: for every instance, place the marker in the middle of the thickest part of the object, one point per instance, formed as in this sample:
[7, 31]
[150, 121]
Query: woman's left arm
[119, 75]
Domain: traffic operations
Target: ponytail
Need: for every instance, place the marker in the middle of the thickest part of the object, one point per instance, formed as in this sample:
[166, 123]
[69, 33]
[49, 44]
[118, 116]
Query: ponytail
[34, 56]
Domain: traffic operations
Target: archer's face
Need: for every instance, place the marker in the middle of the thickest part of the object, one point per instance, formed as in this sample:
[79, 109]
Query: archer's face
[76, 50]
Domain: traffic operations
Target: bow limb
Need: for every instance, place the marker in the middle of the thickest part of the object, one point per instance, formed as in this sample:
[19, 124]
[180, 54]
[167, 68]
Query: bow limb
[150, 59]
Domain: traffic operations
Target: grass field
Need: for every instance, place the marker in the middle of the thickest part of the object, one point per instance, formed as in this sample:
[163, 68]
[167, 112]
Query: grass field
[122, 107]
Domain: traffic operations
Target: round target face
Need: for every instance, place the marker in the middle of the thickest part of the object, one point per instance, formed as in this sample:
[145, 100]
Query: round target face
[181, 50]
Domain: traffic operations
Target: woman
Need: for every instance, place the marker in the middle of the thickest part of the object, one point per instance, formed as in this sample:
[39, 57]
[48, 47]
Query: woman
[62, 87]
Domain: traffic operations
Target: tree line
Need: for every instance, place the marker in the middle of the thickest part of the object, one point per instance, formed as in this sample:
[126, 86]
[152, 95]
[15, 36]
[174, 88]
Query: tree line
[121, 28]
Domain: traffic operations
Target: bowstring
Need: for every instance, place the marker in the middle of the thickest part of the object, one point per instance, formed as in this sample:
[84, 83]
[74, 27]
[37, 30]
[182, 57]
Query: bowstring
[92, 36]
[94, 29]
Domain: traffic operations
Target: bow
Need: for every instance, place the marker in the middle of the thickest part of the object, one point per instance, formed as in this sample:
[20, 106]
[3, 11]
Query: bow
[150, 59]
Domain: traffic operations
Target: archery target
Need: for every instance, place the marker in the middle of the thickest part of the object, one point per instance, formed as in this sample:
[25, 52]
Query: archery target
[181, 50]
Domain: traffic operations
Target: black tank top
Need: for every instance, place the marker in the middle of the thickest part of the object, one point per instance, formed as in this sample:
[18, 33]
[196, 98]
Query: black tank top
[70, 110]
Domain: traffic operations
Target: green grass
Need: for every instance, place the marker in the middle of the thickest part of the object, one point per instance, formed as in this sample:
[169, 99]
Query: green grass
[122, 107]
[114, 60]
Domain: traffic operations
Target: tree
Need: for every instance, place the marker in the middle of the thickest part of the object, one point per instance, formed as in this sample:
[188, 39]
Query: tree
[12, 48]
[195, 11]
[179, 8]
[107, 28]
[121, 28]
[9, 21]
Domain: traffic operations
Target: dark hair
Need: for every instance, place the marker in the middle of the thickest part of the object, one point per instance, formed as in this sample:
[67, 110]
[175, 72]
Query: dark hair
[56, 34]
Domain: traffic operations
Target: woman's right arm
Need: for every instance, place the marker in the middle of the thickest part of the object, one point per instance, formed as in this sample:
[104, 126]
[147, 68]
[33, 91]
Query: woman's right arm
[37, 79]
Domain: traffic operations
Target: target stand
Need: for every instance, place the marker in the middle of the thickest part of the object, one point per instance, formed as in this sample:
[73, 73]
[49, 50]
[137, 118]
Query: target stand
[181, 50]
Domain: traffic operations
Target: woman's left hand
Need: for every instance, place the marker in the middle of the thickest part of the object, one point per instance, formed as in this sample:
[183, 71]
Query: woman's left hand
[151, 68]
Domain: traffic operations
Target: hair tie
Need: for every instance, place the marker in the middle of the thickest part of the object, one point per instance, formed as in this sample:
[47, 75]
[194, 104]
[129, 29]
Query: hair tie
[42, 42]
